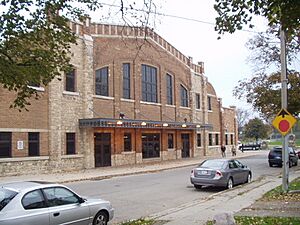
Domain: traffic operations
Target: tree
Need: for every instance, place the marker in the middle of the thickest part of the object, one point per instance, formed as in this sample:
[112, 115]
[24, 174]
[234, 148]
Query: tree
[234, 14]
[242, 117]
[263, 92]
[256, 129]
[265, 50]
[35, 41]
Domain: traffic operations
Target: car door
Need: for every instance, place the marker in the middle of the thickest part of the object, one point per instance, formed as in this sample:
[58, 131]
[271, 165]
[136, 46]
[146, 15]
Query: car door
[234, 171]
[35, 209]
[243, 171]
[65, 207]
[238, 171]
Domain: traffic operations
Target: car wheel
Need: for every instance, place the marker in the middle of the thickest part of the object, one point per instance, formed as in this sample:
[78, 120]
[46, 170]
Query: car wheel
[197, 186]
[249, 177]
[101, 218]
[290, 164]
[230, 183]
[270, 164]
[296, 163]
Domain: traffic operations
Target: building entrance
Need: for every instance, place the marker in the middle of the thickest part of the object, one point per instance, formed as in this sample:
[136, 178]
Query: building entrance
[185, 139]
[102, 149]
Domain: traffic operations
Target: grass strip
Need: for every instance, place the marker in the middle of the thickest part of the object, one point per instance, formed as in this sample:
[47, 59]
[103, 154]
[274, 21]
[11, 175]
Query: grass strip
[247, 220]
[277, 193]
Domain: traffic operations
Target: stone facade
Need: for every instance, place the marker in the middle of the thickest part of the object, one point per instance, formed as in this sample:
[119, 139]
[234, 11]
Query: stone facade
[173, 131]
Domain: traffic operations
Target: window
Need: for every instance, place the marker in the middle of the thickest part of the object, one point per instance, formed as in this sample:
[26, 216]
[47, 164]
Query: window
[6, 195]
[60, 196]
[209, 102]
[184, 96]
[217, 139]
[197, 101]
[70, 81]
[101, 82]
[126, 80]
[33, 144]
[170, 140]
[210, 141]
[70, 143]
[233, 165]
[127, 142]
[33, 200]
[226, 139]
[5, 144]
[149, 84]
[150, 146]
[169, 82]
[198, 140]
[231, 139]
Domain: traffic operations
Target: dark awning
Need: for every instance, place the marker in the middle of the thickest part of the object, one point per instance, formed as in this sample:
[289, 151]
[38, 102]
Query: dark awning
[129, 123]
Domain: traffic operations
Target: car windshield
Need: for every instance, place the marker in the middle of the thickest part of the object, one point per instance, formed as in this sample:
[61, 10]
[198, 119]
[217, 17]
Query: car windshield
[213, 164]
[6, 196]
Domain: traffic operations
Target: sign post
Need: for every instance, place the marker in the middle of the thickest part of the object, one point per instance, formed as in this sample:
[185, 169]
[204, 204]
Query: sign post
[285, 175]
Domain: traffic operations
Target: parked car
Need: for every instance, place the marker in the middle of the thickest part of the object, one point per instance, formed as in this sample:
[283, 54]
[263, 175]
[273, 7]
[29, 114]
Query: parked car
[220, 172]
[36, 203]
[250, 146]
[298, 153]
[275, 157]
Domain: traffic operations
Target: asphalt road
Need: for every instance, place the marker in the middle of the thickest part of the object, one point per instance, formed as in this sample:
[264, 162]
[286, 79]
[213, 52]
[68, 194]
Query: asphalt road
[140, 195]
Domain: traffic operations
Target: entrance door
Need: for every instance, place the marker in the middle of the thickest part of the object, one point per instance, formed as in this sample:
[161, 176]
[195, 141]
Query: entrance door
[185, 139]
[102, 149]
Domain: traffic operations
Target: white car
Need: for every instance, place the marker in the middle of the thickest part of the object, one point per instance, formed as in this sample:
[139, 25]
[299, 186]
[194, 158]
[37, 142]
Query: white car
[43, 203]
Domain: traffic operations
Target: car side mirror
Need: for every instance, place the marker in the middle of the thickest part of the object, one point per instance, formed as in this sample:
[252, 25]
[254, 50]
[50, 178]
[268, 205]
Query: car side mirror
[81, 200]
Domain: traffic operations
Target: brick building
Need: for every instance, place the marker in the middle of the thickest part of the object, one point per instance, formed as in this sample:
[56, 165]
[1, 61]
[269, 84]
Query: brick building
[131, 98]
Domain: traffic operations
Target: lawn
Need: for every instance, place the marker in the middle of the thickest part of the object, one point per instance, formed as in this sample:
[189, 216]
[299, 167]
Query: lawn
[279, 142]
[243, 220]
[275, 194]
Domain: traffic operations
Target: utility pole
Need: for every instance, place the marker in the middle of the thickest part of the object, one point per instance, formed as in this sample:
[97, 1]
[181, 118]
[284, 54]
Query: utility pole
[285, 153]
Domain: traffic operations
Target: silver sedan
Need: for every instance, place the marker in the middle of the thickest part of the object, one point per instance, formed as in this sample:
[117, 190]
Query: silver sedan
[221, 173]
[36, 203]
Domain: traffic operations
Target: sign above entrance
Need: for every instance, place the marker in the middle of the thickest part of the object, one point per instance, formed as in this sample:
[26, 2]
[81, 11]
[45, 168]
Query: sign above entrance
[284, 121]
[128, 123]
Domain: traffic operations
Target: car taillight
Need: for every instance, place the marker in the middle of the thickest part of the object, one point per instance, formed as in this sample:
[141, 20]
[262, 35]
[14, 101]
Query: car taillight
[218, 174]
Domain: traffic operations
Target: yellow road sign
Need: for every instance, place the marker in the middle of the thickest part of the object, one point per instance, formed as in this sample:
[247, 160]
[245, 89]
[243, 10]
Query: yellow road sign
[284, 121]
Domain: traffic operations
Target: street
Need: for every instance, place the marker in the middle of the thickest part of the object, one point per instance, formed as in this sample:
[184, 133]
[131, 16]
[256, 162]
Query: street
[144, 194]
